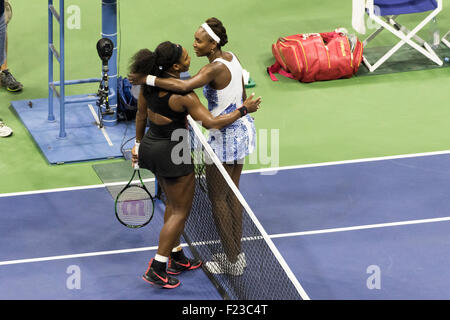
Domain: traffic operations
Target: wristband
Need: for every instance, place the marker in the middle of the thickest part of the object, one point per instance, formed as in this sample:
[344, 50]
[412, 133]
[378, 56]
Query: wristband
[243, 110]
[150, 81]
[137, 144]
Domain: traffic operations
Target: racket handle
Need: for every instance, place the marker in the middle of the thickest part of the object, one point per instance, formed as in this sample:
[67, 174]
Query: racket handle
[136, 149]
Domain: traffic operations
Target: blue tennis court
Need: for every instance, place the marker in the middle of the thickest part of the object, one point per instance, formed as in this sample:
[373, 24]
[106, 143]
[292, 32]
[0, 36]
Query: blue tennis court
[363, 229]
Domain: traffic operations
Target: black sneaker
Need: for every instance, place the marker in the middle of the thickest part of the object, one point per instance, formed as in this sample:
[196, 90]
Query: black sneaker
[176, 267]
[9, 82]
[160, 279]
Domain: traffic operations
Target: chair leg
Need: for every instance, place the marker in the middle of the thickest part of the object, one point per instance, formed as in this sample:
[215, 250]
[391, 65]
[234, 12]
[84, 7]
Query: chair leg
[432, 54]
[366, 42]
[404, 35]
[367, 64]
[373, 35]
[429, 53]
[404, 30]
[445, 41]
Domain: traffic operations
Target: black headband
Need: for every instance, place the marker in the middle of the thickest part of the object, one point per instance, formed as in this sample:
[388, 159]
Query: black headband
[176, 55]
[177, 52]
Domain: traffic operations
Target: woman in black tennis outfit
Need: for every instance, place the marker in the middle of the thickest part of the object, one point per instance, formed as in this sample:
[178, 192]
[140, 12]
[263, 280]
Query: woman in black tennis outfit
[166, 111]
[223, 87]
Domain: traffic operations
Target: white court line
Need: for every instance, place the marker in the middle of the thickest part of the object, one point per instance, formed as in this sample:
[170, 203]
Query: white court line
[321, 164]
[94, 186]
[274, 236]
[333, 163]
[97, 120]
[72, 256]
[362, 227]
[79, 255]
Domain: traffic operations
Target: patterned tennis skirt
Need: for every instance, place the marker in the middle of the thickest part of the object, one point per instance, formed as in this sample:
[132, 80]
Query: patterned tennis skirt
[236, 141]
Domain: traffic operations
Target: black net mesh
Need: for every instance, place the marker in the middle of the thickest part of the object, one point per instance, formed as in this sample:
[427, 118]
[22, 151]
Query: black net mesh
[221, 231]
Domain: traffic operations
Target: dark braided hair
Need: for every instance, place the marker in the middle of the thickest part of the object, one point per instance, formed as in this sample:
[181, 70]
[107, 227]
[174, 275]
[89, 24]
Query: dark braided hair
[218, 28]
[155, 63]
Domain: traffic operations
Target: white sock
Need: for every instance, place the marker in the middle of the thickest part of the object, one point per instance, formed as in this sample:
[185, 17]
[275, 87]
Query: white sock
[176, 249]
[160, 258]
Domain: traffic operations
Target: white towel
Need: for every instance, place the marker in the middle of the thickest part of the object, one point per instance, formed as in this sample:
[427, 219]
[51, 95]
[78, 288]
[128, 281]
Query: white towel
[358, 12]
[245, 76]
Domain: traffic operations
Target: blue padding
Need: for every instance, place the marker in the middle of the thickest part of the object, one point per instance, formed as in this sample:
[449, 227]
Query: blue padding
[84, 140]
[397, 7]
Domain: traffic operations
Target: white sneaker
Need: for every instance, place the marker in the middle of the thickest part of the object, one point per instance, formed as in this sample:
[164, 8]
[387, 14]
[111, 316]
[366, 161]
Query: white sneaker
[219, 257]
[221, 265]
[4, 130]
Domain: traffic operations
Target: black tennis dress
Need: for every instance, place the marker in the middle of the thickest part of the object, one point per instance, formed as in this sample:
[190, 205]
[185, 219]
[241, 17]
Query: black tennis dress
[165, 149]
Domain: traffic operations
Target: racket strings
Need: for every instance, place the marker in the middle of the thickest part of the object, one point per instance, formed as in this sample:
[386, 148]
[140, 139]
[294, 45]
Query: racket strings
[134, 206]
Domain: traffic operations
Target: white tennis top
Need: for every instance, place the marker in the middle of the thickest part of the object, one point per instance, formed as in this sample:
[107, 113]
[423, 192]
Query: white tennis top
[237, 140]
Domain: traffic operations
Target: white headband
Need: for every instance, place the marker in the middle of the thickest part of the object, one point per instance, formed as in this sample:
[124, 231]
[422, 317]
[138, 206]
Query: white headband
[211, 33]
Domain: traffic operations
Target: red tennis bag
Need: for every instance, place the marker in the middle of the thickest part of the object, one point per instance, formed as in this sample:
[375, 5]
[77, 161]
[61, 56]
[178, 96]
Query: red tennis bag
[316, 56]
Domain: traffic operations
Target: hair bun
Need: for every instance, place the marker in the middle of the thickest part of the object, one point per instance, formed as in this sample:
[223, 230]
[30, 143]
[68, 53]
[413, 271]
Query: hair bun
[217, 26]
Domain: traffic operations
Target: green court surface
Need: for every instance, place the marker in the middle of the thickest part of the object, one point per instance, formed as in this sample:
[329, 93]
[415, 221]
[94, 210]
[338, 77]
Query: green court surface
[366, 116]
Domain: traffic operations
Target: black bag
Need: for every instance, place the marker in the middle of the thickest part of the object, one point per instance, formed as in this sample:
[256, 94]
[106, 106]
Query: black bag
[126, 102]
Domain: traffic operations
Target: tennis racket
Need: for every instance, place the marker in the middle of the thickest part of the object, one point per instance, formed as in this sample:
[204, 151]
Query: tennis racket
[134, 204]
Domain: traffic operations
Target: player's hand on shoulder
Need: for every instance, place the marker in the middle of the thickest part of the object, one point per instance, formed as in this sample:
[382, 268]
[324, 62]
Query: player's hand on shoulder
[137, 78]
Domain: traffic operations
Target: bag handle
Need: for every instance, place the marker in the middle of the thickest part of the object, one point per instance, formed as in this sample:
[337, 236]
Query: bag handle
[273, 69]
[276, 68]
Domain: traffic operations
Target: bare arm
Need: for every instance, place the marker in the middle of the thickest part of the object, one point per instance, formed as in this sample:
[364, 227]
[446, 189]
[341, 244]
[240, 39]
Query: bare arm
[244, 93]
[141, 116]
[141, 123]
[199, 113]
[203, 77]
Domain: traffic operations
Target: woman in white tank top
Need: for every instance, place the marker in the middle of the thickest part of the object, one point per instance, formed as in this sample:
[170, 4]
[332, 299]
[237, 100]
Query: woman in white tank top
[233, 143]
[223, 87]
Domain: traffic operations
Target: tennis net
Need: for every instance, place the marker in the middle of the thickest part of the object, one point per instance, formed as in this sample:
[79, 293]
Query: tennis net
[239, 257]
